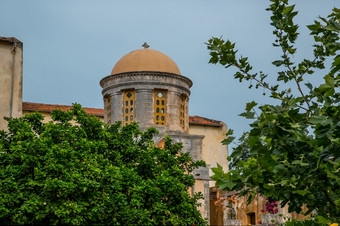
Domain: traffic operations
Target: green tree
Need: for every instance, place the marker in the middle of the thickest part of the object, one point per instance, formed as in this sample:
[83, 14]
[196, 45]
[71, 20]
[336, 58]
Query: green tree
[292, 150]
[91, 173]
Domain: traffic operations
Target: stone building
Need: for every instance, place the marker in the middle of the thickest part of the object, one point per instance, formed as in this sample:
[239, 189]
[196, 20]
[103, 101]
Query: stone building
[144, 86]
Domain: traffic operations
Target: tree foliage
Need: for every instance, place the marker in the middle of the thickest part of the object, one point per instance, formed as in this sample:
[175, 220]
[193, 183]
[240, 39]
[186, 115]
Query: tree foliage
[292, 151]
[91, 173]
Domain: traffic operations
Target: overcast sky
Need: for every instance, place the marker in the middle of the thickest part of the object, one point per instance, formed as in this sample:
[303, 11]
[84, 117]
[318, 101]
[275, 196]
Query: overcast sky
[70, 45]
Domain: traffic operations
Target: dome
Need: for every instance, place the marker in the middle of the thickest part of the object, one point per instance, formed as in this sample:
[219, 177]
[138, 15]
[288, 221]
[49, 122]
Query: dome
[145, 60]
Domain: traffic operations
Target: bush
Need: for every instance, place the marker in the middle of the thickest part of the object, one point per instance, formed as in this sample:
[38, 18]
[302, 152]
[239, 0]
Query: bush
[91, 173]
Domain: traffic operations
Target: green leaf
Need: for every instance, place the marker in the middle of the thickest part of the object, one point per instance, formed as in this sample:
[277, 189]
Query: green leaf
[320, 120]
[228, 140]
[279, 168]
[248, 115]
[299, 162]
[288, 9]
[218, 170]
[309, 86]
[250, 106]
[301, 192]
[323, 220]
[230, 132]
[227, 184]
[278, 63]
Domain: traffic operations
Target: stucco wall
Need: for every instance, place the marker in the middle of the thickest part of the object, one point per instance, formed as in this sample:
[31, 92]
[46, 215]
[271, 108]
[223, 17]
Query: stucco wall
[213, 151]
[10, 106]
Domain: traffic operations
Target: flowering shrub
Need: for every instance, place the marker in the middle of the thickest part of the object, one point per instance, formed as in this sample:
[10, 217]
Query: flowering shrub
[271, 207]
[219, 203]
[229, 205]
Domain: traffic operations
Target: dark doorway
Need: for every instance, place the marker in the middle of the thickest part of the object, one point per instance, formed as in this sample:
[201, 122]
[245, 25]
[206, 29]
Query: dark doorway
[251, 218]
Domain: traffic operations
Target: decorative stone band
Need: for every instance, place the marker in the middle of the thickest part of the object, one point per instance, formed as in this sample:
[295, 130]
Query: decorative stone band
[129, 85]
[165, 75]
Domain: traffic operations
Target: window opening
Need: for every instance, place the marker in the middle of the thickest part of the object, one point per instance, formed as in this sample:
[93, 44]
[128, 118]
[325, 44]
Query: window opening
[128, 110]
[251, 219]
[182, 108]
[108, 109]
[160, 107]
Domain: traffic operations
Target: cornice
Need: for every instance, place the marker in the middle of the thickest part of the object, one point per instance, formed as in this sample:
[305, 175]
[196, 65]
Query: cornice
[146, 73]
[124, 85]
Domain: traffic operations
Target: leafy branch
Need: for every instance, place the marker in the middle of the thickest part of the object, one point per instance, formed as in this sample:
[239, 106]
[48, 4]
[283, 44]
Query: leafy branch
[289, 155]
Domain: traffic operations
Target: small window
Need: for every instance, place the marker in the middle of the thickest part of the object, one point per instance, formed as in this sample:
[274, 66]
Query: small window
[160, 115]
[128, 112]
[107, 102]
[182, 110]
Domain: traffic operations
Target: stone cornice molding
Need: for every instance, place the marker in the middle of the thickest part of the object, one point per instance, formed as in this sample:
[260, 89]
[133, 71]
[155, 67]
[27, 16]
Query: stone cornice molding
[127, 85]
[146, 73]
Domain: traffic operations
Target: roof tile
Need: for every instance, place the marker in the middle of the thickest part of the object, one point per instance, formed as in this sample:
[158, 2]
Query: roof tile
[28, 106]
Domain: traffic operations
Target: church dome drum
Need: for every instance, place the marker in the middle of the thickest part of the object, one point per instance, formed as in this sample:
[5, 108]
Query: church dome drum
[146, 86]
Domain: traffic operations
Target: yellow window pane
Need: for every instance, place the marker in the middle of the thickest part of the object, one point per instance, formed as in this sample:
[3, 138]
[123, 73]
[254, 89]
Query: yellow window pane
[160, 114]
[129, 105]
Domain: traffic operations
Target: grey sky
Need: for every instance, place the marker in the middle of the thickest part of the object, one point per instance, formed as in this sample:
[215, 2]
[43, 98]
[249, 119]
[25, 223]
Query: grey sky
[70, 45]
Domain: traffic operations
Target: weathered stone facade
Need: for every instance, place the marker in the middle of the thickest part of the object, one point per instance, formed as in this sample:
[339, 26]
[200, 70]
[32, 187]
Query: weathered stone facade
[144, 83]
[11, 58]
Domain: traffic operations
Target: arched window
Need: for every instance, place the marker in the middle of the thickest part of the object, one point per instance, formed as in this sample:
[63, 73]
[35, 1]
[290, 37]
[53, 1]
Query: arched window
[160, 103]
[128, 106]
[107, 100]
[182, 110]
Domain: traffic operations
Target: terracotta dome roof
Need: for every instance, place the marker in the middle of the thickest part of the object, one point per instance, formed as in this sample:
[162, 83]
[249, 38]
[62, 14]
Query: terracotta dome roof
[145, 60]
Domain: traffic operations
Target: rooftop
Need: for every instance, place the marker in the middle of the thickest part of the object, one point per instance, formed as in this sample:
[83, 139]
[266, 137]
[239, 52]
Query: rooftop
[99, 112]
[27, 106]
[10, 40]
[145, 60]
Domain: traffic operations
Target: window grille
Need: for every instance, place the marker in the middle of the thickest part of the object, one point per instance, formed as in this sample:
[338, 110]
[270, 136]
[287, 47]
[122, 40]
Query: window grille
[160, 103]
[108, 109]
[128, 106]
[182, 109]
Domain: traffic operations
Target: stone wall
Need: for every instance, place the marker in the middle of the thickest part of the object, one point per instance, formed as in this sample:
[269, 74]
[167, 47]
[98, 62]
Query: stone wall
[213, 151]
[11, 61]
